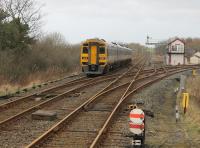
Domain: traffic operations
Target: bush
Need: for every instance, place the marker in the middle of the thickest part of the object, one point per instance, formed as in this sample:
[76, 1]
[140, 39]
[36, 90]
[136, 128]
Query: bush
[50, 55]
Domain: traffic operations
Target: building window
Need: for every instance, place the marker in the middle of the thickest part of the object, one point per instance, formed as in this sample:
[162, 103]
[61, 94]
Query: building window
[174, 48]
[179, 48]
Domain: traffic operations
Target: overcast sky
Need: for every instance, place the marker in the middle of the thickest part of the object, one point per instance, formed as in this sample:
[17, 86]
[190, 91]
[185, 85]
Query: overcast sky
[122, 20]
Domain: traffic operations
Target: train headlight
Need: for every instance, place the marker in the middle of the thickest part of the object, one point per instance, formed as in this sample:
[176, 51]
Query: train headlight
[102, 58]
[101, 63]
[85, 58]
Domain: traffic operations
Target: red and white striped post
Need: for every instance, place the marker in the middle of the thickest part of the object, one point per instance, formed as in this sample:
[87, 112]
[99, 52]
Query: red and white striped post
[137, 126]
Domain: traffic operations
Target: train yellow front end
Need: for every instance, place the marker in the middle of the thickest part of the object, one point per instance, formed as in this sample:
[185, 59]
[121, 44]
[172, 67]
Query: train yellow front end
[93, 56]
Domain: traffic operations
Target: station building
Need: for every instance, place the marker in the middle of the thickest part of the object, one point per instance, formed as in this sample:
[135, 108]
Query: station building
[175, 52]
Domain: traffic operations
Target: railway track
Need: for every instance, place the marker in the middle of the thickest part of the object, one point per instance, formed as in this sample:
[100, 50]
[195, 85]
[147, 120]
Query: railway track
[81, 107]
[51, 86]
[106, 92]
[31, 127]
[15, 107]
[49, 92]
[23, 92]
[94, 112]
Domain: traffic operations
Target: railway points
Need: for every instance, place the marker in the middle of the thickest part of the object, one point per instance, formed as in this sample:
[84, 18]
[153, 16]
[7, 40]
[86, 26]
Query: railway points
[85, 115]
[95, 108]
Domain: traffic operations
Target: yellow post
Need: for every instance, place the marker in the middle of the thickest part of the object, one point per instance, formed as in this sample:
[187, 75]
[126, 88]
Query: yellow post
[194, 72]
[185, 101]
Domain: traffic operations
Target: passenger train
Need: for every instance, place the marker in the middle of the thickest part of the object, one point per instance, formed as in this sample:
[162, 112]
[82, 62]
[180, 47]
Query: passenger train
[99, 57]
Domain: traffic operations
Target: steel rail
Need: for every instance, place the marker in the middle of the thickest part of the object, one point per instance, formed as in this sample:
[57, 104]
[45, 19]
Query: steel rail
[13, 102]
[119, 86]
[83, 79]
[47, 102]
[72, 115]
[27, 100]
[77, 110]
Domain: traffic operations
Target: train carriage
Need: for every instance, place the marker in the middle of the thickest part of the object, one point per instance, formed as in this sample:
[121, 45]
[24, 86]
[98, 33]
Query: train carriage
[99, 56]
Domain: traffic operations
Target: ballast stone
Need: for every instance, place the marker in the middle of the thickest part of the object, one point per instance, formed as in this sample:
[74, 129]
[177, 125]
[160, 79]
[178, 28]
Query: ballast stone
[44, 115]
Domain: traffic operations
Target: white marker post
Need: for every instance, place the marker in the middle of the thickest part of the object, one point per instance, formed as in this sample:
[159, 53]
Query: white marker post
[137, 126]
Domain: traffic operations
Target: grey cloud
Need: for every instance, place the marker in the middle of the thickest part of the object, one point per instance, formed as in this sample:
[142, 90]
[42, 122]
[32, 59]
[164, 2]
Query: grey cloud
[125, 20]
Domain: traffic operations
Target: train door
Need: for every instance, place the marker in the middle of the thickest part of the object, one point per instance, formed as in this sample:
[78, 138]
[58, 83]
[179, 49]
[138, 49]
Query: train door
[93, 55]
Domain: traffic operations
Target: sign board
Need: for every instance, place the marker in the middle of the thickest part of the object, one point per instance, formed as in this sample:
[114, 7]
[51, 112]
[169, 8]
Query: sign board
[136, 116]
[136, 128]
[136, 124]
[137, 142]
[194, 72]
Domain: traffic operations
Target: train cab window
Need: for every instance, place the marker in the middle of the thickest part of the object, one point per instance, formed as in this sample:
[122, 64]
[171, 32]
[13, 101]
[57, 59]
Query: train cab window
[85, 50]
[85, 44]
[102, 50]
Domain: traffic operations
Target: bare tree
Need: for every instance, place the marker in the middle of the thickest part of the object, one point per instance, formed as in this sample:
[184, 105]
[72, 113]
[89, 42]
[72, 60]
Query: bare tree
[28, 11]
